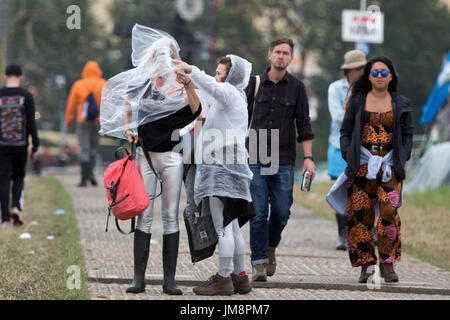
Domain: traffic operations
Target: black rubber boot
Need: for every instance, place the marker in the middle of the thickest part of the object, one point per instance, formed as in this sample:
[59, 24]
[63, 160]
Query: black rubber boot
[342, 223]
[170, 255]
[91, 174]
[141, 252]
[84, 174]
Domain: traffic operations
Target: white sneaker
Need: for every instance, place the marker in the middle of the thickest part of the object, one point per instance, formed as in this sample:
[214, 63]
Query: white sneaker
[5, 224]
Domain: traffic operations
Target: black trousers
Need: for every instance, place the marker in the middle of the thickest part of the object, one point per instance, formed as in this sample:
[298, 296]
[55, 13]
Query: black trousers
[13, 161]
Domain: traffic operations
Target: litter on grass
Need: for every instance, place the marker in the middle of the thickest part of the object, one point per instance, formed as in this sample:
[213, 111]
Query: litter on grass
[59, 212]
[25, 236]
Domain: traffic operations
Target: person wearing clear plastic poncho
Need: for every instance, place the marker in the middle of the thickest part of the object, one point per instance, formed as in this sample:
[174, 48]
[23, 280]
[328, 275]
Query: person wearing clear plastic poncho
[222, 180]
[152, 100]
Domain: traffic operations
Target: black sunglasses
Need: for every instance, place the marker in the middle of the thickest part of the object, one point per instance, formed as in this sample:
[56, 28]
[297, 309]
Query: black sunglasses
[375, 73]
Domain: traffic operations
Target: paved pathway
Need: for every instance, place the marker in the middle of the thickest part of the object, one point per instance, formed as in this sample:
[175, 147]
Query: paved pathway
[308, 266]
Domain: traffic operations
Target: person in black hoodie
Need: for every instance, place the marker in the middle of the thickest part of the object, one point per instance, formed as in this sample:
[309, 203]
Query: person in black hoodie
[17, 122]
[376, 141]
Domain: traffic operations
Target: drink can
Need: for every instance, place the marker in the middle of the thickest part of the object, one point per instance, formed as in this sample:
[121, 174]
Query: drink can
[306, 182]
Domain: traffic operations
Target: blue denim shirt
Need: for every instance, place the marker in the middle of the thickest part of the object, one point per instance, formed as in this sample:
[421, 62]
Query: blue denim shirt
[337, 93]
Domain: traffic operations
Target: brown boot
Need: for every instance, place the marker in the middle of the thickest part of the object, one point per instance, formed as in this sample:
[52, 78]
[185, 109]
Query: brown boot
[364, 276]
[271, 267]
[241, 284]
[387, 272]
[259, 272]
[216, 285]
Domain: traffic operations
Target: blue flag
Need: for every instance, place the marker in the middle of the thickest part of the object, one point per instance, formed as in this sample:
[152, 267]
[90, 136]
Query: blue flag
[439, 94]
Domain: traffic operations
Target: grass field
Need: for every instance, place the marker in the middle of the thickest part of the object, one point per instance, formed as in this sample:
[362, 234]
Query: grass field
[425, 220]
[37, 268]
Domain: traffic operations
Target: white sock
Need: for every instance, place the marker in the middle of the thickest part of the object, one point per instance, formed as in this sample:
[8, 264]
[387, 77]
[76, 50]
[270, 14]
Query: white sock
[225, 266]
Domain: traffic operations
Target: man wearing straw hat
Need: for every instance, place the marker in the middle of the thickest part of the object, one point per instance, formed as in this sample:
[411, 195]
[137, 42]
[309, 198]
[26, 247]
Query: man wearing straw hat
[338, 91]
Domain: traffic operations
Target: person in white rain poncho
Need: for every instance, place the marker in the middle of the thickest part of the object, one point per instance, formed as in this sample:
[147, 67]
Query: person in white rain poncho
[222, 180]
[153, 101]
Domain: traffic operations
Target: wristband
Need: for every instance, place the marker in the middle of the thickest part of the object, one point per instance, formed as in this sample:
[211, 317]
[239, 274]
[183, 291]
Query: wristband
[188, 86]
[308, 157]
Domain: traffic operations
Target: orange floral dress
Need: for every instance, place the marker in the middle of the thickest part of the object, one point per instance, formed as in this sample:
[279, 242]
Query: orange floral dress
[365, 195]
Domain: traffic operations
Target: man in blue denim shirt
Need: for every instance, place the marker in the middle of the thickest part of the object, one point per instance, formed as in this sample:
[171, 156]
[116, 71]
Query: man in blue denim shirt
[338, 91]
[279, 109]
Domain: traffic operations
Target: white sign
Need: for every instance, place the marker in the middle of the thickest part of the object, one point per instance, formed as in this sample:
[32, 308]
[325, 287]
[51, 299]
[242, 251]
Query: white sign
[363, 26]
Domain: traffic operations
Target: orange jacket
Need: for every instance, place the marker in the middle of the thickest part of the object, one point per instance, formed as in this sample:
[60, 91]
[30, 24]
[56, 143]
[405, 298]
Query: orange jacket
[91, 82]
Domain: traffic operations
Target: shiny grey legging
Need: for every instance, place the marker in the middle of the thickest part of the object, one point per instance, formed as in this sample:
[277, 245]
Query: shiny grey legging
[169, 166]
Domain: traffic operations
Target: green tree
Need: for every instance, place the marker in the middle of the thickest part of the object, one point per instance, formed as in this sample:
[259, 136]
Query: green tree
[416, 38]
[228, 26]
[126, 13]
[224, 27]
[42, 43]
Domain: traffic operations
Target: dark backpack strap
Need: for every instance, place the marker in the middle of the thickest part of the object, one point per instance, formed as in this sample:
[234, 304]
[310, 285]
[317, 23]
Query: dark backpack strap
[107, 219]
[147, 156]
[133, 152]
[112, 191]
[133, 224]
[255, 92]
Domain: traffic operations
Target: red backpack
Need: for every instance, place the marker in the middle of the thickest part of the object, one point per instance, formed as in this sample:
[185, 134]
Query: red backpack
[125, 190]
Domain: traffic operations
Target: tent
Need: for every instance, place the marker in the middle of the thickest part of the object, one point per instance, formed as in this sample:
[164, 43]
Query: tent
[431, 170]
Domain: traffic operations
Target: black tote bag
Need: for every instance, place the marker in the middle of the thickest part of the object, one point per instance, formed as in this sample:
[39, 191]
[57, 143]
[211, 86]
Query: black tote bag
[202, 235]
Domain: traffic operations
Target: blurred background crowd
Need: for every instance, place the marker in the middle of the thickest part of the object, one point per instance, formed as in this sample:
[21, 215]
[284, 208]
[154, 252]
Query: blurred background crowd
[35, 34]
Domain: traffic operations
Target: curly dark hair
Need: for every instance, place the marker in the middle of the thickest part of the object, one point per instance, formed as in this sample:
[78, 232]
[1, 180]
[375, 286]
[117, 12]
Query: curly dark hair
[363, 85]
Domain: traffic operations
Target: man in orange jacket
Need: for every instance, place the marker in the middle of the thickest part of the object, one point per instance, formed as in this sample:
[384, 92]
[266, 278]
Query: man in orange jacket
[85, 96]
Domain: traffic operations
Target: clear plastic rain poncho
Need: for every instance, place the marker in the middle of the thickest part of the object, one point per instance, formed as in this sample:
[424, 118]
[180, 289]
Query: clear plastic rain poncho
[221, 155]
[147, 92]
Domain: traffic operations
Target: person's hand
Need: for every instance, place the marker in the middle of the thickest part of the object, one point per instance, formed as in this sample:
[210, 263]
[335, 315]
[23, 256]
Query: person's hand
[131, 136]
[309, 165]
[33, 155]
[181, 65]
[183, 78]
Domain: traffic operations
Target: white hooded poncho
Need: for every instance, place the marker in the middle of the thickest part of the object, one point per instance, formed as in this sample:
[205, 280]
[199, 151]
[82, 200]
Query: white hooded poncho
[221, 155]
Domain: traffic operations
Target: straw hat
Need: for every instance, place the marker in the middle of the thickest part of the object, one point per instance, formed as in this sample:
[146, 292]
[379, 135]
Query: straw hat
[354, 59]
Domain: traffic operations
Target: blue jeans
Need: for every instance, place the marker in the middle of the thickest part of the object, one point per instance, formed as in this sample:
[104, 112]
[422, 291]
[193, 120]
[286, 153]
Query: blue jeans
[277, 190]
